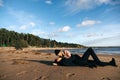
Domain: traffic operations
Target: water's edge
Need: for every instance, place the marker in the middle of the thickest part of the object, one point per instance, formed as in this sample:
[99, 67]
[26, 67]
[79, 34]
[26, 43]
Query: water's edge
[100, 50]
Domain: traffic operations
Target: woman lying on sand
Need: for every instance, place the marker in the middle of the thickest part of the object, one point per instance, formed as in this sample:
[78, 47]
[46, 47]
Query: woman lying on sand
[65, 58]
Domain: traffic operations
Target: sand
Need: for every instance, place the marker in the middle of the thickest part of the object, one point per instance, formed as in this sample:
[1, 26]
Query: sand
[29, 64]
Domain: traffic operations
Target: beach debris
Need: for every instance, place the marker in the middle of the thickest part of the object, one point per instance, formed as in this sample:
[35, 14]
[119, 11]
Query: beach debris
[19, 61]
[70, 75]
[37, 53]
[48, 54]
[105, 78]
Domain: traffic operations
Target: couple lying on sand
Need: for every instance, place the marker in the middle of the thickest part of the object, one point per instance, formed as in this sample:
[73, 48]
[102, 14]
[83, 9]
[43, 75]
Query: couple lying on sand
[65, 58]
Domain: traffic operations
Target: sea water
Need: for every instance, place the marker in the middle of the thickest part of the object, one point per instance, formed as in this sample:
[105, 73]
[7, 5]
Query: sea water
[97, 50]
[100, 50]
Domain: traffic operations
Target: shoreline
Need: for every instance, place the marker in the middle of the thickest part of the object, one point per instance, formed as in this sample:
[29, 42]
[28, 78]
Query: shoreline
[47, 50]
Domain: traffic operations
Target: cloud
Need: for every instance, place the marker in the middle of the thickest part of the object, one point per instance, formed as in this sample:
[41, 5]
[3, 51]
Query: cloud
[53, 34]
[11, 27]
[21, 16]
[24, 19]
[112, 2]
[38, 32]
[64, 29]
[104, 1]
[93, 35]
[32, 24]
[75, 6]
[48, 1]
[1, 3]
[107, 35]
[104, 41]
[24, 27]
[51, 23]
[88, 23]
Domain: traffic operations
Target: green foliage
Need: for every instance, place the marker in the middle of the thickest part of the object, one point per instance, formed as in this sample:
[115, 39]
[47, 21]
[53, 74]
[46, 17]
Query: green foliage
[20, 44]
[21, 40]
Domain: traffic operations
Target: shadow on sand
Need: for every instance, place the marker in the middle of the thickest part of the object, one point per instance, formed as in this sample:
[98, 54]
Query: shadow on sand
[91, 65]
[42, 61]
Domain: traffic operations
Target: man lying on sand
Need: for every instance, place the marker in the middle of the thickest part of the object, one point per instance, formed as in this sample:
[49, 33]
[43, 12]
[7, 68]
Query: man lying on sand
[65, 58]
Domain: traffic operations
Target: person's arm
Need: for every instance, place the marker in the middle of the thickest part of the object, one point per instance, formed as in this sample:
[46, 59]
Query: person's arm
[56, 62]
[66, 54]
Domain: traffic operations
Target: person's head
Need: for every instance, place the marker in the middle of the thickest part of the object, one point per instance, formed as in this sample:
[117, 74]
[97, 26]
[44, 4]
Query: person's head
[58, 52]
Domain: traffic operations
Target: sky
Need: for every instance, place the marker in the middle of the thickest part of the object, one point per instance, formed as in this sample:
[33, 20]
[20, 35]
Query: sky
[85, 22]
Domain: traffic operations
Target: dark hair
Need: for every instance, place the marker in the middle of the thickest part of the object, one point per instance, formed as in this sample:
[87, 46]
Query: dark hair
[57, 51]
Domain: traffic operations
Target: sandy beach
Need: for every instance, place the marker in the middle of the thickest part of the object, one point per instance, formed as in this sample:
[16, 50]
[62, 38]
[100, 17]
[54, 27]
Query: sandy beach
[29, 64]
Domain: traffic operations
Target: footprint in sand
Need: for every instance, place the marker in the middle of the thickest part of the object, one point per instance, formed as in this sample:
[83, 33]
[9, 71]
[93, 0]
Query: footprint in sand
[70, 75]
[21, 73]
[41, 78]
[105, 78]
[2, 76]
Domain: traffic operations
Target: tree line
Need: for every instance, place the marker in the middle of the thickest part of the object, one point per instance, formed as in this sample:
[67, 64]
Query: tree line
[20, 40]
